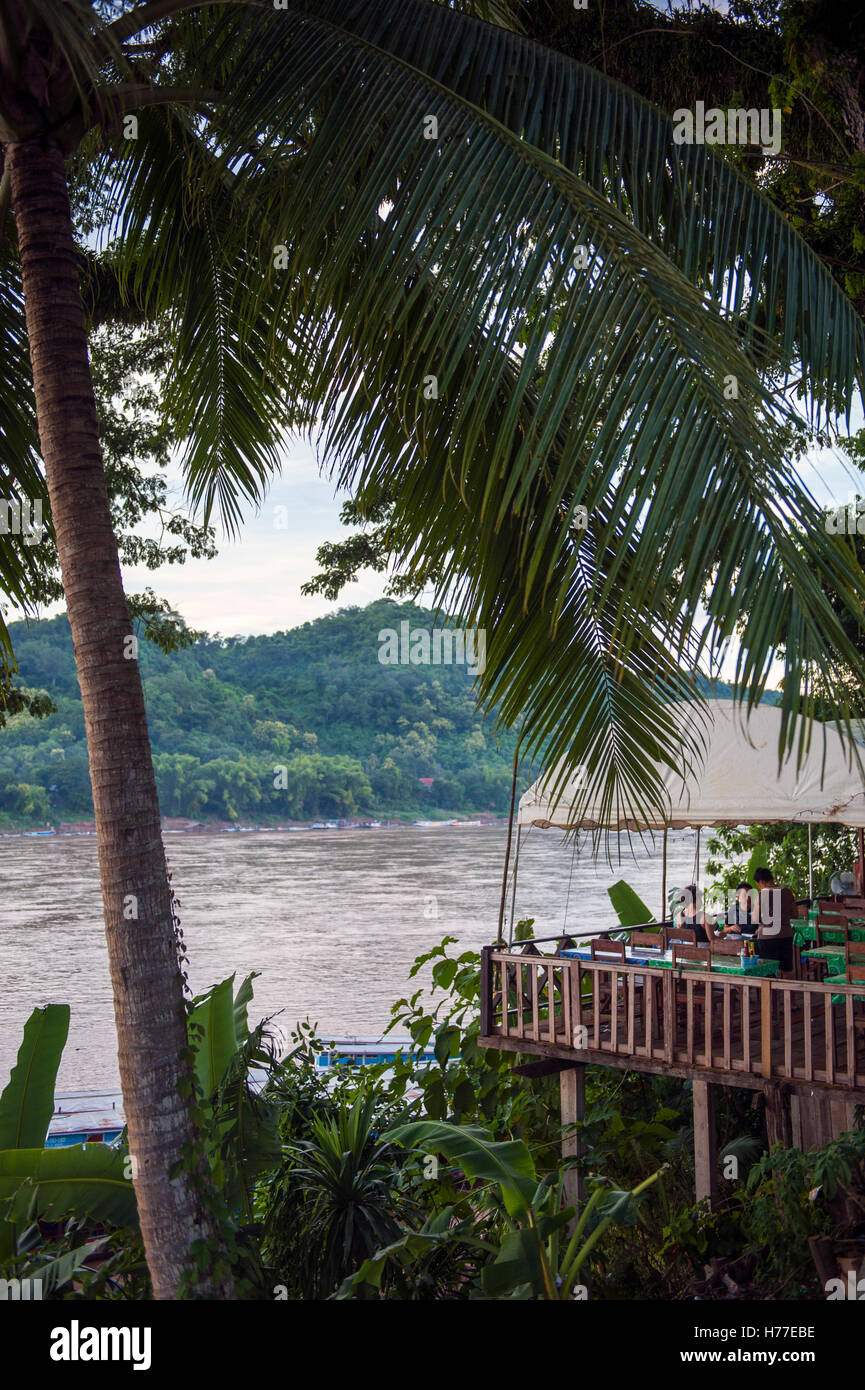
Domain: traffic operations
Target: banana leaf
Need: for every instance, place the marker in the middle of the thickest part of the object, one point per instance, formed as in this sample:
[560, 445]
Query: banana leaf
[87, 1180]
[507, 1163]
[241, 999]
[27, 1103]
[629, 906]
[212, 1034]
[53, 1274]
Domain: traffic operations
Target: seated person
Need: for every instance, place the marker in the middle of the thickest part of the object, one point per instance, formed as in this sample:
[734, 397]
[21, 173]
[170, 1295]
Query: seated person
[777, 908]
[743, 914]
[691, 914]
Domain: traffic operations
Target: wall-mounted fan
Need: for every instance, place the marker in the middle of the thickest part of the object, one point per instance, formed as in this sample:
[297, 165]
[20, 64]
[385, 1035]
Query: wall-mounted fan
[843, 882]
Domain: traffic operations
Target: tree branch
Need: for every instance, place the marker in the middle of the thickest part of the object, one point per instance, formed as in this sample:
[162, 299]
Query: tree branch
[137, 97]
[146, 15]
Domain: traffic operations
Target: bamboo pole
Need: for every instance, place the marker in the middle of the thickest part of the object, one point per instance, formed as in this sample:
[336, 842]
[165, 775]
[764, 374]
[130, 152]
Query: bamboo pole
[514, 887]
[508, 845]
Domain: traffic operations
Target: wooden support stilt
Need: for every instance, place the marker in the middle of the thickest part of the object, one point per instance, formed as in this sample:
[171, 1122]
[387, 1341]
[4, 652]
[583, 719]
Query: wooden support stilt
[779, 1122]
[705, 1143]
[572, 1089]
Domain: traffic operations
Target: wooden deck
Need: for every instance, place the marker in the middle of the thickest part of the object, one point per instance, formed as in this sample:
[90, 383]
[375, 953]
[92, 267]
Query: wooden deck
[723, 1029]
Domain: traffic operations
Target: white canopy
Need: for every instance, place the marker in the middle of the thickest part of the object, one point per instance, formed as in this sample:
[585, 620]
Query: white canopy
[738, 782]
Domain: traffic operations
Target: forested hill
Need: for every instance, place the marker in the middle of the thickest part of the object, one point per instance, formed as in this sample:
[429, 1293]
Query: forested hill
[313, 709]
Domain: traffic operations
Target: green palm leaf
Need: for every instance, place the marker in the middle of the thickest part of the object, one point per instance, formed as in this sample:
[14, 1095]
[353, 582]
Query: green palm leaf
[21, 480]
[702, 212]
[652, 439]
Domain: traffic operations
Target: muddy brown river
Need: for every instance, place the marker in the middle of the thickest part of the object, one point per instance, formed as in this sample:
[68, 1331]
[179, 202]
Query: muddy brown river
[332, 919]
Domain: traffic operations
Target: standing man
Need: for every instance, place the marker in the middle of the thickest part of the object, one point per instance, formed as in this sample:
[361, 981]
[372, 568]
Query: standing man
[775, 934]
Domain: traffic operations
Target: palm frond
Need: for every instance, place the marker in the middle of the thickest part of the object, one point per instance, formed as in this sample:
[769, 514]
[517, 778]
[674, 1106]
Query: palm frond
[558, 386]
[728, 239]
[636, 382]
[22, 485]
[175, 253]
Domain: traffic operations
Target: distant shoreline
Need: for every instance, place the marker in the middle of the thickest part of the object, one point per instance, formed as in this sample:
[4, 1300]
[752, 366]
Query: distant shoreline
[174, 825]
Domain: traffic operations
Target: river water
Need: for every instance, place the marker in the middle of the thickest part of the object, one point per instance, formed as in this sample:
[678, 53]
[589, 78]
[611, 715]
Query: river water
[332, 919]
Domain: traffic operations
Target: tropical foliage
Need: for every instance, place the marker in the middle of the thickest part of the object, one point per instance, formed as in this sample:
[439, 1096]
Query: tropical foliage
[561, 347]
[68, 1214]
[735, 852]
[691, 273]
[389, 1182]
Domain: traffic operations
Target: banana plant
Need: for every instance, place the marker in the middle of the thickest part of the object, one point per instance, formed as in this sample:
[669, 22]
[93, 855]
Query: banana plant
[242, 1119]
[414, 1252]
[88, 1180]
[535, 1258]
[27, 1103]
[30, 1262]
[93, 1182]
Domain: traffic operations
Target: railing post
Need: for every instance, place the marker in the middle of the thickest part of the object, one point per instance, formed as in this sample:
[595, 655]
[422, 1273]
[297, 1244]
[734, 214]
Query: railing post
[486, 991]
[766, 1028]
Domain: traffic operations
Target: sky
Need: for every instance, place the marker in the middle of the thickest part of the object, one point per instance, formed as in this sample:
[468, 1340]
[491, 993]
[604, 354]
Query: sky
[253, 585]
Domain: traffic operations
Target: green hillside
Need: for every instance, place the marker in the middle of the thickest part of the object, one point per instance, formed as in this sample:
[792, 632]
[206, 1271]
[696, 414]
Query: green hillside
[303, 724]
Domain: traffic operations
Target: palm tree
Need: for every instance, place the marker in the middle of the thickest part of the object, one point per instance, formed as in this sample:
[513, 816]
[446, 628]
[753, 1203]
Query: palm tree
[505, 292]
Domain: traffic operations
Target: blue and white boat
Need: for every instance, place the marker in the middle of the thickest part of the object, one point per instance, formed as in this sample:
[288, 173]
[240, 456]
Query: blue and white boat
[85, 1117]
[360, 1052]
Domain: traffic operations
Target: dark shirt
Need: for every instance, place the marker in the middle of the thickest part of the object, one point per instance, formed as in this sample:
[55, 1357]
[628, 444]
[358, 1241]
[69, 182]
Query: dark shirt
[686, 919]
[788, 910]
[738, 916]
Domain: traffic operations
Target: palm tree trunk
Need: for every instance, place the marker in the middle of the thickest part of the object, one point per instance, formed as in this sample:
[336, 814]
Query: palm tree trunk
[142, 947]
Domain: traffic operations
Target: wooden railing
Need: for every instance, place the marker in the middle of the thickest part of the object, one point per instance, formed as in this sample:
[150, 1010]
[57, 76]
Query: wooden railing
[786, 1030]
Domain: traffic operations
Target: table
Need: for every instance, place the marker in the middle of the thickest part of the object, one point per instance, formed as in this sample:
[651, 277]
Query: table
[721, 965]
[841, 980]
[803, 931]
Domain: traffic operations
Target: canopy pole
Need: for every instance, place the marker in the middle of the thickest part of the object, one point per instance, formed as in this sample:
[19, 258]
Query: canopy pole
[810, 860]
[514, 892]
[697, 869]
[508, 845]
[861, 860]
[663, 916]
